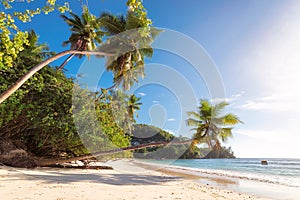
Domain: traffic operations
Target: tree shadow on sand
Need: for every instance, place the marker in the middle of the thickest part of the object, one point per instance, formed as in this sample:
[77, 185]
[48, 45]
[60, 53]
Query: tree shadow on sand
[93, 177]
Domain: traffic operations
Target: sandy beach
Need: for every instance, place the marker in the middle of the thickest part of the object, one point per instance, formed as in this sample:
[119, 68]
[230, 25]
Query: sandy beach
[128, 180]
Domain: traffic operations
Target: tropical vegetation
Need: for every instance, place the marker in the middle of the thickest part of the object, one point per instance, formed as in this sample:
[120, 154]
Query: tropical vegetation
[37, 109]
[145, 134]
[211, 124]
[85, 33]
[48, 118]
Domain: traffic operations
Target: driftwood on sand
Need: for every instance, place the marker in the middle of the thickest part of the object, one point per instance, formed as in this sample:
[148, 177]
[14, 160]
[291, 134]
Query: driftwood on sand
[16, 156]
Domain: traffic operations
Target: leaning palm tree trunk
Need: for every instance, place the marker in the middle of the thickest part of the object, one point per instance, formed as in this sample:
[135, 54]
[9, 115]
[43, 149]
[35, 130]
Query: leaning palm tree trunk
[47, 162]
[65, 62]
[38, 67]
[80, 48]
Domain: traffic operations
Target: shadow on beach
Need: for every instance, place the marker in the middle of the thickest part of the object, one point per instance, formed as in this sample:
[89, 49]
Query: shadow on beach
[91, 176]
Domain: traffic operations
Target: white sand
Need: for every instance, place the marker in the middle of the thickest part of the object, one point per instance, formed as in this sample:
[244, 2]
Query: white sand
[127, 181]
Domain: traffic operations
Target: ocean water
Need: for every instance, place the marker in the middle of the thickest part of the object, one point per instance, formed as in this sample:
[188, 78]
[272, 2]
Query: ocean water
[280, 179]
[278, 171]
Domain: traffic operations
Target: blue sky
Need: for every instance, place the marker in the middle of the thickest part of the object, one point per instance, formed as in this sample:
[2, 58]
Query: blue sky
[255, 46]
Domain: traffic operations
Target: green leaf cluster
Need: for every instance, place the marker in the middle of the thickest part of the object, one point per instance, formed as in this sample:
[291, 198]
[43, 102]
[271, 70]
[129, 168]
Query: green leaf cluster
[13, 39]
[210, 124]
[136, 6]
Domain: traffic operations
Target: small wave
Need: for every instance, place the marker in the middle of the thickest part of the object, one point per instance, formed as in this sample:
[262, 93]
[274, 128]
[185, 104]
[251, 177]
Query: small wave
[281, 180]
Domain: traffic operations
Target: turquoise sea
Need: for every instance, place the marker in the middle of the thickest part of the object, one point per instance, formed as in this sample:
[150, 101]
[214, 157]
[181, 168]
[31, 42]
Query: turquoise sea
[280, 179]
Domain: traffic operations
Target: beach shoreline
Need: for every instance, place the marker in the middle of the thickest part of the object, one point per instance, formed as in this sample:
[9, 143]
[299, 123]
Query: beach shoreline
[227, 181]
[128, 180]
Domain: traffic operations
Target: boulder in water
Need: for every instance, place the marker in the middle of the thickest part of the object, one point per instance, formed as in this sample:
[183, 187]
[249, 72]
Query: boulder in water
[264, 162]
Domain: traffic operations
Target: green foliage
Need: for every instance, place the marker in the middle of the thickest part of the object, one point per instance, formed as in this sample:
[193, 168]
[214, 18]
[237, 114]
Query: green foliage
[129, 44]
[86, 31]
[40, 114]
[133, 105]
[96, 123]
[145, 134]
[27, 15]
[136, 6]
[13, 39]
[210, 125]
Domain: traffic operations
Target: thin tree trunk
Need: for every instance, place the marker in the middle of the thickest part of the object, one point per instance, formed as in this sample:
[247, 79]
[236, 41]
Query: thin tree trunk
[109, 88]
[47, 162]
[79, 48]
[65, 62]
[38, 67]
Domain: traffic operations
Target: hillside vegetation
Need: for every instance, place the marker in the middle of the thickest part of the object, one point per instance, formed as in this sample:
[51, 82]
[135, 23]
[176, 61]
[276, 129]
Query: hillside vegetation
[144, 134]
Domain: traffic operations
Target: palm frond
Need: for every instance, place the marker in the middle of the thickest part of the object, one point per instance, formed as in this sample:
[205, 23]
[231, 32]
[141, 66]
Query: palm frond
[112, 24]
[155, 32]
[225, 133]
[205, 108]
[193, 122]
[77, 19]
[132, 21]
[193, 114]
[230, 119]
[147, 52]
[218, 108]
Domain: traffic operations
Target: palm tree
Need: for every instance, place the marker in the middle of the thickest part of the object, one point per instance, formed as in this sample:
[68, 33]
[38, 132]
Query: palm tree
[133, 105]
[210, 125]
[82, 42]
[43, 64]
[130, 47]
[85, 35]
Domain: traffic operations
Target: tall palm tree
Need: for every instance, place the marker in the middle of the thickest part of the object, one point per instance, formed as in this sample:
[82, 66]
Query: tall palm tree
[133, 105]
[130, 47]
[210, 125]
[85, 35]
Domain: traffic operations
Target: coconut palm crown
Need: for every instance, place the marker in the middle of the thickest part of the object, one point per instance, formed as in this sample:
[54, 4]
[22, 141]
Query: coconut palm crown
[85, 32]
[133, 105]
[210, 125]
[129, 46]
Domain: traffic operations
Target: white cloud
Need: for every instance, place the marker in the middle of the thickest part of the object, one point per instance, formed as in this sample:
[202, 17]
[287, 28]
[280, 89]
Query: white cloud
[230, 99]
[142, 94]
[171, 120]
[237, 96]
[254, 105]
[273, 103]
[218, 100]
[156, 102]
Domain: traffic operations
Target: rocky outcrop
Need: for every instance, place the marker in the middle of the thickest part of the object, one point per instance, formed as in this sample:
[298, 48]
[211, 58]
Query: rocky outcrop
[219, 151]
